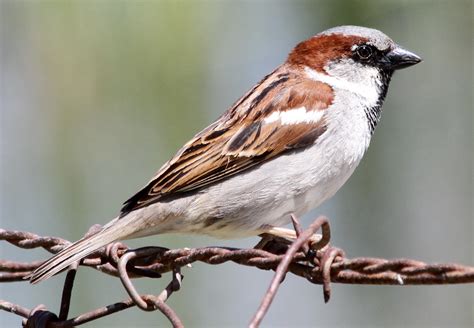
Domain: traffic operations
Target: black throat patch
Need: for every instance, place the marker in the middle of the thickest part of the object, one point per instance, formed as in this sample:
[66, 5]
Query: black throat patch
[373, 113]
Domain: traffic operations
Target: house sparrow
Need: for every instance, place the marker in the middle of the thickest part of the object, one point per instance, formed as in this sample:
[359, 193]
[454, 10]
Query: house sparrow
[283, 148]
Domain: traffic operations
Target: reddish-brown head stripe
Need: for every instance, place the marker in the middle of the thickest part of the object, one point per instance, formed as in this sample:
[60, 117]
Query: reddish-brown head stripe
[319, 50]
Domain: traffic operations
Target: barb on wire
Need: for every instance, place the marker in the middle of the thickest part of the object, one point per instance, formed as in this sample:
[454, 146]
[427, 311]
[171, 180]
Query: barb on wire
[308, 256]
[150, 302]
[282, 268]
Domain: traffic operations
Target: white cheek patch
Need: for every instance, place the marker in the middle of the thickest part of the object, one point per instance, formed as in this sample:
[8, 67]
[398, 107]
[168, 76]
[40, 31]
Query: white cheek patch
[367, 85]
[295, 116]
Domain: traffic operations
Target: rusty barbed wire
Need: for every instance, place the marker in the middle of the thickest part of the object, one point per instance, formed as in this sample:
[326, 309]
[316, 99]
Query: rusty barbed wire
[309, 256]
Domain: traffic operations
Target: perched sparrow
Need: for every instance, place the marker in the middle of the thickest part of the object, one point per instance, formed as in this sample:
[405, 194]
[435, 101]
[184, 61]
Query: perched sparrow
[285, 147]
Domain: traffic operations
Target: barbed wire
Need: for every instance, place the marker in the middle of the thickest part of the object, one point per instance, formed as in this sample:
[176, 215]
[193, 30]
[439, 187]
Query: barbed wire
[308, 256]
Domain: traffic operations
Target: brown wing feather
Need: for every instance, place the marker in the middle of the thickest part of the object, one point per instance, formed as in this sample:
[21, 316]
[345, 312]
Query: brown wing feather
[241, 138]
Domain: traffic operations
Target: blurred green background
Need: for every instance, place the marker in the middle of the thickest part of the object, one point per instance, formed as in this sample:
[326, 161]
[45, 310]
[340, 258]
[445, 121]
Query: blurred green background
[96, 95]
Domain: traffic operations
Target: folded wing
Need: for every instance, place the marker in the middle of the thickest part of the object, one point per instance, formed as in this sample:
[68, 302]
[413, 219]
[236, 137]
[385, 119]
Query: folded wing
[278, 115]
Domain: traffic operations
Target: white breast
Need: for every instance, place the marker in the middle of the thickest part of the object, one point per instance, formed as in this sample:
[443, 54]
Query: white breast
[293, 183]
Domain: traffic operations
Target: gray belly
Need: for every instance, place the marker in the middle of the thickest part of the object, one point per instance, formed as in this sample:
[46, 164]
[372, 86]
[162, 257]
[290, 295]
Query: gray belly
[251, 202]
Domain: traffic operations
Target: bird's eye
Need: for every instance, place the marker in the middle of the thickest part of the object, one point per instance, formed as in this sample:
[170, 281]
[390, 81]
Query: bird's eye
[364, 52]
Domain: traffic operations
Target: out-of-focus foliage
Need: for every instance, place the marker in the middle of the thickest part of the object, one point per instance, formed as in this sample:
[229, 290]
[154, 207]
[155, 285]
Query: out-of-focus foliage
[96, 95]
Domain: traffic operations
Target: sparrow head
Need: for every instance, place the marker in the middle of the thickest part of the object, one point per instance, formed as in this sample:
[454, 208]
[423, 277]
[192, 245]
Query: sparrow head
[345, 51]
[357, 61]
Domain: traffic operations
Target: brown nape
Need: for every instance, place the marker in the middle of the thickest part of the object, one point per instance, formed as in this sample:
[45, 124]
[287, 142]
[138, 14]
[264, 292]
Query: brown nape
[315, 95]
[317, 51]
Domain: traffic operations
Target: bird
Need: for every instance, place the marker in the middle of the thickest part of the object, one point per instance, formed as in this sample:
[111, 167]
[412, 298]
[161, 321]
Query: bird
[283, 148]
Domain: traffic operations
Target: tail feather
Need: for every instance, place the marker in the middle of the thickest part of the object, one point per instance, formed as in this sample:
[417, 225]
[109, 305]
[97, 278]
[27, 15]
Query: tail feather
[76, 252]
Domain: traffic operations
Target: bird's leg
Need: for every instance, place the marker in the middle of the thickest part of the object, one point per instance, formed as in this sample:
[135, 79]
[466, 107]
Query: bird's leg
[307, 249]
[278, 236]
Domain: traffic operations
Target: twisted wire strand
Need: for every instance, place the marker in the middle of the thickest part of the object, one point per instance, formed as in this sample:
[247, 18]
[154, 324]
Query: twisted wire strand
[326, 265]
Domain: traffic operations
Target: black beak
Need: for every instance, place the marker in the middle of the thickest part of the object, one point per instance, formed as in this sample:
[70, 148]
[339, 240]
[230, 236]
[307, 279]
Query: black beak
[399, 58]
